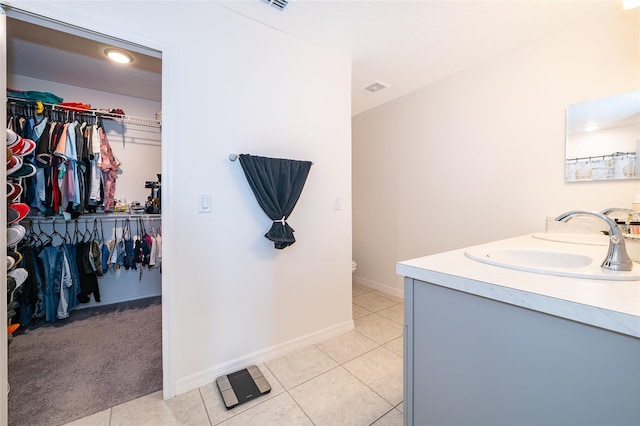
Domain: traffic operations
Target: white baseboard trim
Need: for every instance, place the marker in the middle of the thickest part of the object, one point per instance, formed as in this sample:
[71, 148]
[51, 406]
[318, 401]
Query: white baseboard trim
[209, 375]
[378, 286]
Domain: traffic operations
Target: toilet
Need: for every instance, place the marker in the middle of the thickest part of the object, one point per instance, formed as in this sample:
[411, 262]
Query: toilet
[353, 266]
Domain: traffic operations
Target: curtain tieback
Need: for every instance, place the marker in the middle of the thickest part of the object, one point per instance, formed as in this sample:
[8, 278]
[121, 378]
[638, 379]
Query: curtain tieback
[281, 221]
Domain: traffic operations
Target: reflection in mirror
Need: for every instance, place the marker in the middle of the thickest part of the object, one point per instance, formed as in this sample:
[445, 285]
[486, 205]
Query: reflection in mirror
[602, 139]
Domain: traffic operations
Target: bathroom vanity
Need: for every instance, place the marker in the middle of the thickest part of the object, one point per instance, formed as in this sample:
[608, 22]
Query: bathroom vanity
[487, 345]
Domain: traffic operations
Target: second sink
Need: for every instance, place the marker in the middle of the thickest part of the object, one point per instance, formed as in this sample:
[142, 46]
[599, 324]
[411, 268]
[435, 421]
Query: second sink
[574, 264]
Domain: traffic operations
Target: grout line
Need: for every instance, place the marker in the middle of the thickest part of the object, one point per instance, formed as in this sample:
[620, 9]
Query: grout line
[274, 376]
[390, 410]
[205, 406]
[372, 390]
[300, 407]
[316, 376]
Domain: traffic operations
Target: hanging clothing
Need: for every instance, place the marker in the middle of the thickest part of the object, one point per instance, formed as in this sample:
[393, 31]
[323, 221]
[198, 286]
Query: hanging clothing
[153, 252]
[65, 283]
[60, 281]
[41, 131]
[30, 295]
[109, 167]
[69, 186]
[277, 184]
[71, 176]
[95, 168]
[86, 272]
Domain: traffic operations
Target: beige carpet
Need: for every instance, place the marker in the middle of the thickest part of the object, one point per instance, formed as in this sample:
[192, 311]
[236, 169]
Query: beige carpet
[97, 358]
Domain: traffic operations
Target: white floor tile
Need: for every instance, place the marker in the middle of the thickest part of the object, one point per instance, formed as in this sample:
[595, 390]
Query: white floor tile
[151, 410]
[394, 313]
[390, 296]
[396, 346]
[278, 411]
[300, 366]
[392, 418]
[381, 370]
[338, 398]
[378, 329]
[188, 408]
[215, 405]
[358, 289]
[359, 311]
[373, 302]
[347, 346]
[101, 418]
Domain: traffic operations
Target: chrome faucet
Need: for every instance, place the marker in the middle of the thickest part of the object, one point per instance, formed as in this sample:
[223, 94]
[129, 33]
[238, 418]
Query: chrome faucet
[617, 258]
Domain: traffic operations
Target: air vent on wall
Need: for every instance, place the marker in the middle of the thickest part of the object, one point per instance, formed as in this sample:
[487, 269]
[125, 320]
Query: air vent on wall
[278, 4]
[375, 87]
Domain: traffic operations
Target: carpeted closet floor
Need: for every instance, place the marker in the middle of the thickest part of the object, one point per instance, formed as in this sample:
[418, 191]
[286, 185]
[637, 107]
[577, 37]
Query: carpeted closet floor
[95, 359]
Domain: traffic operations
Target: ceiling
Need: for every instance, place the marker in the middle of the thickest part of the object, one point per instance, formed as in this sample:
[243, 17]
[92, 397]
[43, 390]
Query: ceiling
[48, 54]
[405, 45]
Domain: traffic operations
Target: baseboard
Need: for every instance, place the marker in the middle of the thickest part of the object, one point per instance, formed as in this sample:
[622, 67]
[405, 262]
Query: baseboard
[378, 286]
[209, 375]
[94, 304]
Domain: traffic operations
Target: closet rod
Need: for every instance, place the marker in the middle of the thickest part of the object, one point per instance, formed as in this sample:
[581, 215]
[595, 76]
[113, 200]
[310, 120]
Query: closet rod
[122, 118]
[234, 157]
[88, 218]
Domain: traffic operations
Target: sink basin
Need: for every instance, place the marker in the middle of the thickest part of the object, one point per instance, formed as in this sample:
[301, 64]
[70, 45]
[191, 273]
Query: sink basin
[550, 262]
[562, 237]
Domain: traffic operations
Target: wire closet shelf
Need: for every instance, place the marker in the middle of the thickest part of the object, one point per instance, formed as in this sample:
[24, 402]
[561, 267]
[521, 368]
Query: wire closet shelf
[71, 111]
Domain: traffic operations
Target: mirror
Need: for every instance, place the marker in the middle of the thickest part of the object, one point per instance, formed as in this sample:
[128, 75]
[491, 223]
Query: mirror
[602, 139]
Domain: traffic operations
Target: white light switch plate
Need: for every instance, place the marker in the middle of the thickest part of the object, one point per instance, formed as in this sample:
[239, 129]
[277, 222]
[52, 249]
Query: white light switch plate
[204, 203]
[337, 203]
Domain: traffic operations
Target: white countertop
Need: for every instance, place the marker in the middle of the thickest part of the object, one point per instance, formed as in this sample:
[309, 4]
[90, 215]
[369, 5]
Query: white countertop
[612, 305]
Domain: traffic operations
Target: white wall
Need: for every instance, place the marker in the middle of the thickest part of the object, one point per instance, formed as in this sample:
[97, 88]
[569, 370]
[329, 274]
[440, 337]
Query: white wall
[479, 156]
[231, 85]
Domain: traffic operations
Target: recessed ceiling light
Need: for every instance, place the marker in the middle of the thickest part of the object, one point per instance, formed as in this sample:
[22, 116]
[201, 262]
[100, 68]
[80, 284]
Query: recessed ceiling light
[591, 126]
[118, 56]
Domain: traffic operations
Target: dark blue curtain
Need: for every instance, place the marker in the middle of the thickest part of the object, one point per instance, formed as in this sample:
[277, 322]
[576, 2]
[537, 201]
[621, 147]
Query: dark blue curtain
[277, 184]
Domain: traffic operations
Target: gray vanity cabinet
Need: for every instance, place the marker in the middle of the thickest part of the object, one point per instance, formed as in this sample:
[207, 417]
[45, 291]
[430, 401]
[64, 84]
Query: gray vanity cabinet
[469, 360]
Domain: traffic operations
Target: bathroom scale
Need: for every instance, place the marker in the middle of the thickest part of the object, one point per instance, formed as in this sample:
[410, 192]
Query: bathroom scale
[242, 386]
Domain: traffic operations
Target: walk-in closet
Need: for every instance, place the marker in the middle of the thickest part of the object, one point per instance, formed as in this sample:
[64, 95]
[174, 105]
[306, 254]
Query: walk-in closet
[84, 228]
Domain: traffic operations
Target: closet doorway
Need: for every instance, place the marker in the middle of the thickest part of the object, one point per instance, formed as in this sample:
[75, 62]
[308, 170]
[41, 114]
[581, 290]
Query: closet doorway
[68, 62]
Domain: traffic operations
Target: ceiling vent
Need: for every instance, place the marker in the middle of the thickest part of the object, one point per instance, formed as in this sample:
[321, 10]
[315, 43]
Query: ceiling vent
[375, 87]
[278, 4]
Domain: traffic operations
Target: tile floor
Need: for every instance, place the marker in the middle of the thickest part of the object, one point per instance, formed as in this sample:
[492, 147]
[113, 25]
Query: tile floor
[352, 379]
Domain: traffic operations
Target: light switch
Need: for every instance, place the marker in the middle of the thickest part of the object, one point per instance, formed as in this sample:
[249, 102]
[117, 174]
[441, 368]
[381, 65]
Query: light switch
[205, 203]
[337, 203]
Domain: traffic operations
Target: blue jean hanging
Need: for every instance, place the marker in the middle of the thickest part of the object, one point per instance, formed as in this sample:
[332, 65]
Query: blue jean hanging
[129, 258]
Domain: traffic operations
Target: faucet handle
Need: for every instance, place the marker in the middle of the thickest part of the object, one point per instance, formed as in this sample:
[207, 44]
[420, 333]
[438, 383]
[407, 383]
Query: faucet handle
[617, 258]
